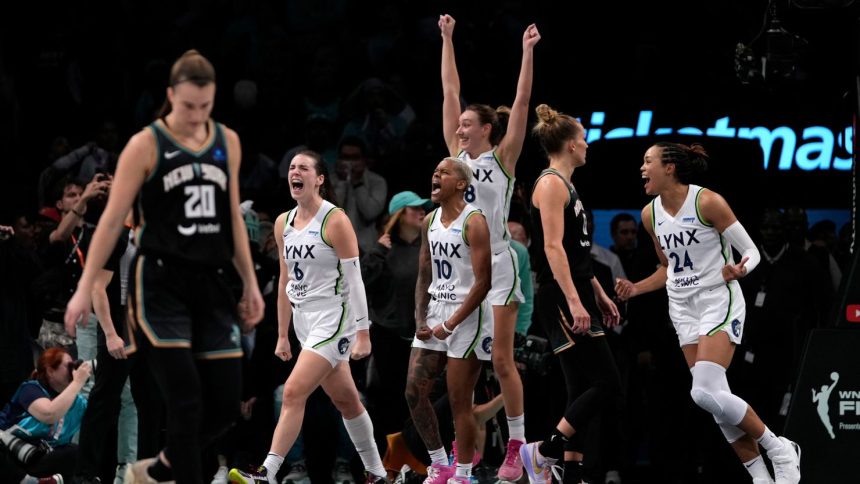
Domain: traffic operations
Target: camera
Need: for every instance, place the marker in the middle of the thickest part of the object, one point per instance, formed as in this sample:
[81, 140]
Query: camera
[23, 451]
[100, 177]
[77, 364]
[533, 353]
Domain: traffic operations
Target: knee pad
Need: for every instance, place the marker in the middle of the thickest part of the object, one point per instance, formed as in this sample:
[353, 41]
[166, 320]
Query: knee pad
[707, 401]
[709, 384]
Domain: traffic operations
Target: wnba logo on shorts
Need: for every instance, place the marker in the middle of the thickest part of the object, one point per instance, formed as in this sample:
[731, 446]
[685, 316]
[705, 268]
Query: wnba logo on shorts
[736, 328]
[487, 345]
[342, 345]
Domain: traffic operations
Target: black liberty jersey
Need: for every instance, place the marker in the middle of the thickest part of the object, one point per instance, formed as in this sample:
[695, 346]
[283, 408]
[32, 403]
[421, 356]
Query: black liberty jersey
[575, 240]
[185, 201]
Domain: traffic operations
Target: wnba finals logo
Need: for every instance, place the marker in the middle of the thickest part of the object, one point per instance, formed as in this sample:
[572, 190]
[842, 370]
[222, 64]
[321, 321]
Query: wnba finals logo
[822, 398]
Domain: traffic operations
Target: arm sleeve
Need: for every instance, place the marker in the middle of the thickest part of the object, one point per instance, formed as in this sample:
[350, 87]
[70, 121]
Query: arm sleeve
[357, 296]
[740, 240]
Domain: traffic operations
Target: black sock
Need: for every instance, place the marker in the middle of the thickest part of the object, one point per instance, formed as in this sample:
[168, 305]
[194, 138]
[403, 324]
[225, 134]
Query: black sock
[572, 472]
[159, 471]
[553, 447]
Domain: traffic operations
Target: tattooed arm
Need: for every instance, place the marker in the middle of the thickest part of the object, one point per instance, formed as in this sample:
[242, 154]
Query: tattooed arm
[422, 297]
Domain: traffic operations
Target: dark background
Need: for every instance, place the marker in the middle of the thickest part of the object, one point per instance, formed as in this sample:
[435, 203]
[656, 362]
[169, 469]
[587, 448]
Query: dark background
[68, 67]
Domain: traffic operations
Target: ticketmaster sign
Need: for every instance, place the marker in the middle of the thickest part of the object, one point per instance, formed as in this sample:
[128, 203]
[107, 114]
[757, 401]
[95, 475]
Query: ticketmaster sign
[783, 147]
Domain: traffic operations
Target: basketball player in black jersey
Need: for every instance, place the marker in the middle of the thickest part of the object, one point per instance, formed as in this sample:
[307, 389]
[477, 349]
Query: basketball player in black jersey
[183, 170]
[570, 301]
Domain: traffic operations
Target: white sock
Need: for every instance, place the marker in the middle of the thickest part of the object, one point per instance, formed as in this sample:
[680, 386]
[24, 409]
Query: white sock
[273, 465]
[769, 441]
[757, 468]
[517, 427]
[360, 430]
[464, 470]
[438, 456]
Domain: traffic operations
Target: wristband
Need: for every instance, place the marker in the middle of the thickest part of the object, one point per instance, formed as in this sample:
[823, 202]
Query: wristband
[445, 328]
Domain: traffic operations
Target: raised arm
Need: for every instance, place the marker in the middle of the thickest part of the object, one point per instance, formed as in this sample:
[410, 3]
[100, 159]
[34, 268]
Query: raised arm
[70, 220]
[136, 161]
[626, 289]
[511, 145]
[450, 85]
[50, 411]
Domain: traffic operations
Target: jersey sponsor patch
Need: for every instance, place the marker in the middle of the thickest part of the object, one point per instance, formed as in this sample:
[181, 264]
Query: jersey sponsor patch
[187, 231]
[198, 228]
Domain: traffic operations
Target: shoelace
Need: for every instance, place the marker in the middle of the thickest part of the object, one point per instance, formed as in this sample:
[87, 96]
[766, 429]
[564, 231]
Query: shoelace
[511, 457]
[432, 473]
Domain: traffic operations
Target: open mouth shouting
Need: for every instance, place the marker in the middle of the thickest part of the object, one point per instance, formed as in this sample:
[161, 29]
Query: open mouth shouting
[435, 189]
[646, 183]
[297, 185]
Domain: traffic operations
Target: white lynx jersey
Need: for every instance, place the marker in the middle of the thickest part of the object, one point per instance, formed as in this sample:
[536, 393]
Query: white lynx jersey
[450, 257]
[314, 268]
[491, 191]
[695, 250]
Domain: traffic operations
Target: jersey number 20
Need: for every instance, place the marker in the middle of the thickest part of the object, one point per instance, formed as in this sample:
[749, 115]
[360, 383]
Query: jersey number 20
[200, 202]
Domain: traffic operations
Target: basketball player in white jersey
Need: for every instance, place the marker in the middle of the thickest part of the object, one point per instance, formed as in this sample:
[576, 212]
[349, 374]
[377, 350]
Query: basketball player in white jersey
[451, 318]
[321, 291]
[694, 230]
[476, 136]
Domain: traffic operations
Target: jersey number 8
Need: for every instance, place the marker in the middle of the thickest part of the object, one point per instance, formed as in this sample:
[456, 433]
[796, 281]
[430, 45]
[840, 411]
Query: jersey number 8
[469, 196]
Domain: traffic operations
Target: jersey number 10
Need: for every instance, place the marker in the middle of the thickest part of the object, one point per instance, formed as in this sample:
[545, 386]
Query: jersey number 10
[443, 268]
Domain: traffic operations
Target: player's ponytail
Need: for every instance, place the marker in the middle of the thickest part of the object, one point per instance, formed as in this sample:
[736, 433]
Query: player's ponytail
[190, 67]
